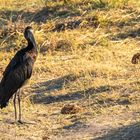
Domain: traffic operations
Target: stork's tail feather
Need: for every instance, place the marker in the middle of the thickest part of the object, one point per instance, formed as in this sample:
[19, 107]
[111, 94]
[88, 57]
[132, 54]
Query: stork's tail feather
[2, 99]
[3, 105]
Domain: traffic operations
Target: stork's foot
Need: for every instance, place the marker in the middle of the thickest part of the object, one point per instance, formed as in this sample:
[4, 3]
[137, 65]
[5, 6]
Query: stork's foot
[17, 122]
[20, 122]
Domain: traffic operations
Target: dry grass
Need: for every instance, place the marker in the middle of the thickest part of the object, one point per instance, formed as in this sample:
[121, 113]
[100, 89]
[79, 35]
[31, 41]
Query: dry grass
[88, 65]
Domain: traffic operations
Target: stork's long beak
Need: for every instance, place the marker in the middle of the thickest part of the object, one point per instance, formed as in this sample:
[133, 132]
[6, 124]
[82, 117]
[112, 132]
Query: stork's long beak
[32, 31]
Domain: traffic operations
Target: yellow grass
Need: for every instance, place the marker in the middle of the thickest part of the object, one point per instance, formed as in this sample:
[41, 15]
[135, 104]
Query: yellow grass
[93, 71]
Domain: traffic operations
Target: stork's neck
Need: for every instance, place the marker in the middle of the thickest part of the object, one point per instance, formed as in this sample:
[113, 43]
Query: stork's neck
[31, 43]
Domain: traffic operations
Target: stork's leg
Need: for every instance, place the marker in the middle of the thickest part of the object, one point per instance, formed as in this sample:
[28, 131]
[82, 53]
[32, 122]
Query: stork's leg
[14, 100]
[19, 106]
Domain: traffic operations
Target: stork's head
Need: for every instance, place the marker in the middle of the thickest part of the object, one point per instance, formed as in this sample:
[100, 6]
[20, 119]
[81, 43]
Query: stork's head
[28, 33]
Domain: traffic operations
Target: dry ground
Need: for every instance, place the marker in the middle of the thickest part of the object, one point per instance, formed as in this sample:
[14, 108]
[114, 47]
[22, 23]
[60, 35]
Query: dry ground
[85, 56]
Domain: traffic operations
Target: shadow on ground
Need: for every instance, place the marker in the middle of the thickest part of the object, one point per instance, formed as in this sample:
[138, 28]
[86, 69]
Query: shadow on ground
[48, 99]
[38, 16]
[128, 28]
[131, 132]
[57, 11]
[54, 84]
[101, 132]
[132, 33]
[75, 126]
[57, 84]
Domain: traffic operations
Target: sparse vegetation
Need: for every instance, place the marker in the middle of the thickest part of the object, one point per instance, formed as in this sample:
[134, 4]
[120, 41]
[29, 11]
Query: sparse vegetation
[86, 48]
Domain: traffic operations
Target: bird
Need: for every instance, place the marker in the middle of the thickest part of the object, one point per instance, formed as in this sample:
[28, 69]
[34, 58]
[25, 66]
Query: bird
[18, 72]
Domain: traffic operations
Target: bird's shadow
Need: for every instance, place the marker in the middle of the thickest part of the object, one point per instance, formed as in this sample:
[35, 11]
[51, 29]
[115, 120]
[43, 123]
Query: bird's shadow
[41, 89]
[42, 92]
[54, 84]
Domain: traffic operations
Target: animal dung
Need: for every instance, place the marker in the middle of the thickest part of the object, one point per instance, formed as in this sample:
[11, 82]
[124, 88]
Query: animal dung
[135, 58]
[70, 109]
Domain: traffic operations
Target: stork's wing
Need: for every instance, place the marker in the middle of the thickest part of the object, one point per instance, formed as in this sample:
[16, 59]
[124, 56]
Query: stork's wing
[19, 73]
[13, 63]
[19, 62]
[18, 70]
